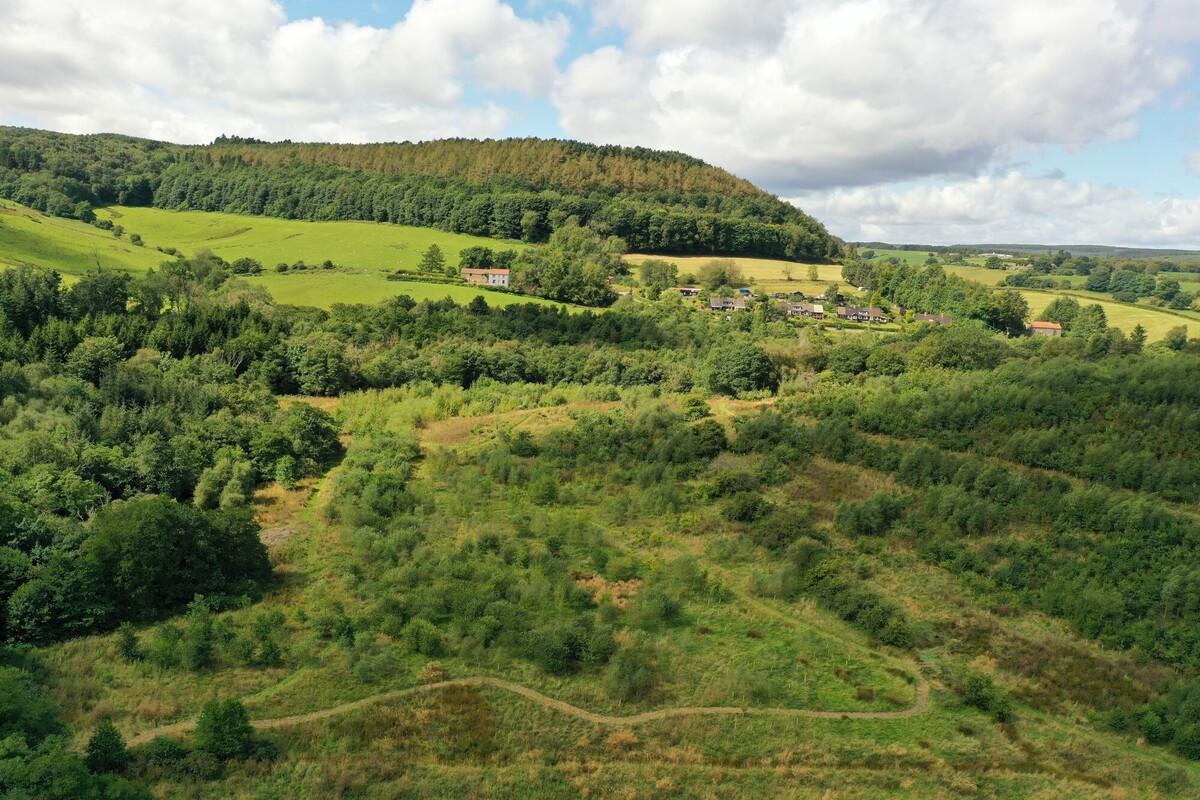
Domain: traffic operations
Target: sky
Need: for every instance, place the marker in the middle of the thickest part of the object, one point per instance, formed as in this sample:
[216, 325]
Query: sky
[907, 121]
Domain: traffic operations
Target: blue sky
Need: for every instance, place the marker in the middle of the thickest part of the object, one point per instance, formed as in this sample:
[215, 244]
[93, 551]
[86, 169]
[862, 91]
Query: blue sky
[900, 120]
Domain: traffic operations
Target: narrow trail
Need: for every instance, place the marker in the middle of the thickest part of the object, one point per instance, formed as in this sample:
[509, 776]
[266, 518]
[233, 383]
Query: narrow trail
[921, 705]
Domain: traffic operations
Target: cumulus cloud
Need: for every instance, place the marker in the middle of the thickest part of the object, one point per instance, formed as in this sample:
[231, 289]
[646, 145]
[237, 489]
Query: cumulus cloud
[687, 22]
[1012, 209]
[824, 93]
[188, 70]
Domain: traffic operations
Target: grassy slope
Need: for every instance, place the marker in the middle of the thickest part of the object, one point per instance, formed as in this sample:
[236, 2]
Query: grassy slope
[487, 742]
[365, 252]
[369, 246]
[73, 248]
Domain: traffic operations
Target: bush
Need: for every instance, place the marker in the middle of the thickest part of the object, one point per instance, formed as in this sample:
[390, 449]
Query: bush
[422, 636]
[106, 750]
[555, 649]
[127, 643]
[636, 669]
[979, 691]
[164, 751]
[746, 507]
[1187, 742]
[223, 730]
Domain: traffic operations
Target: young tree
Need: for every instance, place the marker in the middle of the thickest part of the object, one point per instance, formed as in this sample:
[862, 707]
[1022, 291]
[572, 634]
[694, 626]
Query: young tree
[198, 643]
[721, 272]
[1137, 338]
[788, 270]
[106, 751]
[224, 729]
[741, 368]
[432, 261]
[1176, 338]
[127, 643]
[657, 275]
[814, 273]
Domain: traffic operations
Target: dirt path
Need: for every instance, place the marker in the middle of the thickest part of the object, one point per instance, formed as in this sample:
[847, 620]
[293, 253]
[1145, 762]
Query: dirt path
[921, 705]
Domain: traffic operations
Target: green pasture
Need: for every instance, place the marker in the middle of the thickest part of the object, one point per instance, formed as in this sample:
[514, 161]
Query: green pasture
[359, 245]
[324, 288]
[69, 246]
[1120, 315]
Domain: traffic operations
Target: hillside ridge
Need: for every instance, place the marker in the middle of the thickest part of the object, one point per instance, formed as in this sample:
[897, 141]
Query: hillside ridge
[656, 201]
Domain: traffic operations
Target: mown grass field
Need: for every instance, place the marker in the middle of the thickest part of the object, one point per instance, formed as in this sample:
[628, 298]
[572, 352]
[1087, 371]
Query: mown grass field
[1120, 315]
[765, 275]
[71, 247]
[324, 288]
[364, 252]
[359, 245]
[749, 650]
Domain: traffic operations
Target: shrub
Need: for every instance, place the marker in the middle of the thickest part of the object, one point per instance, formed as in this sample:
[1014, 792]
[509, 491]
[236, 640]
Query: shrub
[746, 507]
[636, 669]
[422, 636]
[106, 750]
[224, 730]
[164, 751]
[127, 643]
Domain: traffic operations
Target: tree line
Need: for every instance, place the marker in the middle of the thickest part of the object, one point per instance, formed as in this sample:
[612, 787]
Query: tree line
[512, 189]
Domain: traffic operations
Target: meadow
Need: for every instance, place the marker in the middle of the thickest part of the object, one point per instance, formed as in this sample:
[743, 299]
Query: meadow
[324, 288]
[69, 246]
[370, 246]
[1119, 315]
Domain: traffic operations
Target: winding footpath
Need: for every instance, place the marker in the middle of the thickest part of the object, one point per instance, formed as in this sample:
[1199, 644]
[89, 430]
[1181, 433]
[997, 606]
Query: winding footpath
[919, 706]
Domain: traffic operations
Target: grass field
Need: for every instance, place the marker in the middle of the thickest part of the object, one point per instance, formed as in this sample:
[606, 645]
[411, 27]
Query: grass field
[324, 288]
[766, 275]
[365, 252]
[359, 245]
[72, 248]
[1119, 315]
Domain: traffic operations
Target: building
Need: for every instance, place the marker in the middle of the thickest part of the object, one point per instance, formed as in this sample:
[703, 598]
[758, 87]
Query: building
[934, 319]
[726, 304]
[860, 314]
[490, 277]
[1051, 329]
[811, 310]
[687, 291]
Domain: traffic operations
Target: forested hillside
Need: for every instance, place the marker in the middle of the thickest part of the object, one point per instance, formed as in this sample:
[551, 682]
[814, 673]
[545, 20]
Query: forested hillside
[933, 545]
[510, 189]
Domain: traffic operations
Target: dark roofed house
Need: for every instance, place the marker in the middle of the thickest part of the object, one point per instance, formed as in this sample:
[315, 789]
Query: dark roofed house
[687, 291]
[860, 314]
[813, 310]
[726, 304]
[934, 319]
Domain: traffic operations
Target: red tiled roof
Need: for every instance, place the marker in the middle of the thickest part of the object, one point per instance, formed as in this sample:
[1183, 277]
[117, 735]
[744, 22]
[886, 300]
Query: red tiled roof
[1050, 326]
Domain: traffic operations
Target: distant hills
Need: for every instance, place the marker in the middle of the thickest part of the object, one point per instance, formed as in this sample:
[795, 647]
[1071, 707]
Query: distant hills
[658, 202]
[1093, 250]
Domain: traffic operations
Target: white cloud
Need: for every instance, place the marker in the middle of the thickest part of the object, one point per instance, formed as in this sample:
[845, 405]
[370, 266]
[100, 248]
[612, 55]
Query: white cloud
[1010, 209]
[1192, 162]
[686, 22]
[847, 92]
[187, 70]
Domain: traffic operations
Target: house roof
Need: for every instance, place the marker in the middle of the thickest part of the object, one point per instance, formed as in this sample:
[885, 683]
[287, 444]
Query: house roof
[469, 271]
[1046, 326]
[497, 272]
